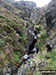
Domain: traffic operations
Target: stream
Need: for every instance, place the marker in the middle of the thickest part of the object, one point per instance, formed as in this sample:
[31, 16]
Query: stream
[30, 50]
[29, 55]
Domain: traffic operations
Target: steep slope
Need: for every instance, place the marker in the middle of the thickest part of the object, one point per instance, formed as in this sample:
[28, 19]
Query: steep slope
[18, 20]
[46, 42]
[12, 33]
[51, 22]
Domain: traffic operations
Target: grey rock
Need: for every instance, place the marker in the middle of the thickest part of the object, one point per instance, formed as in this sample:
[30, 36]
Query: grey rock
[26, 6]
[51, 22]
[36, 14]
[25, 56]
[4, 33]
[27, 69]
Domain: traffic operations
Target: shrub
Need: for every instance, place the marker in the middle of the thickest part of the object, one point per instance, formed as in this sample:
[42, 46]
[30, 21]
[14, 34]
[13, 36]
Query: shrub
[1, 42]
[10, 22]
[52, 61]
[2, 17]
[16, 57]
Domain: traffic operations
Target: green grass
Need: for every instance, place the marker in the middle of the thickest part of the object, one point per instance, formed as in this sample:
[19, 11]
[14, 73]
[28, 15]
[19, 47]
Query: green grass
[10, 22]
[42, 39]
[2, 17]
[52, 62]
[23, 35]
[1, 42]
[16, 57]
[21, 7]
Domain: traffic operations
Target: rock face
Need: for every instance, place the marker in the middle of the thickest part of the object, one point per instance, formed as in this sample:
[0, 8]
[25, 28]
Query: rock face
[15, 19]
[51, 22]
[28, 68]
[51, 14]
[26, 6]
[31, 40]
[36, 14]
[31, 11]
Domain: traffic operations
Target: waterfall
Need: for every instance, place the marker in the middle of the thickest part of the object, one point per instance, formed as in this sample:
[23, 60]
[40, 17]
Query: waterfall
[31, 48]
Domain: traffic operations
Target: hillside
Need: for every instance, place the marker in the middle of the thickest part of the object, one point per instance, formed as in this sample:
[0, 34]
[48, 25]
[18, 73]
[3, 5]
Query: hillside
[27, 32]
[12, 33]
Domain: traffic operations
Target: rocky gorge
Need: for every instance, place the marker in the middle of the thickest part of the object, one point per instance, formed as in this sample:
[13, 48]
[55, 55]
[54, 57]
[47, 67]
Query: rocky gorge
[27, 38]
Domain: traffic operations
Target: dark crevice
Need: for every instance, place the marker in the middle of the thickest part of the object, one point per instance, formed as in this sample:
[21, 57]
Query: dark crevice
[49, 49]
[30, 50]
[31, 46]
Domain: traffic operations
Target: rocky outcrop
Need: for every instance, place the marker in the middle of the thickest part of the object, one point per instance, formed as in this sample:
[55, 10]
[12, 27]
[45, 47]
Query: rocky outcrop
[36, 14]
[32, 66]
[30, 11]
[51, 22]
[17, 21]
[26, 6]
[51, 14]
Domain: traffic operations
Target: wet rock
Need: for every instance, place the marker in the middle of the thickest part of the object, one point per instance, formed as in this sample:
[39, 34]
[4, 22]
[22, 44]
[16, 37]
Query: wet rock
[31, 40]
[27, 69]
[34, 50]
[25, 57]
